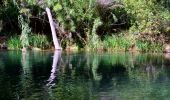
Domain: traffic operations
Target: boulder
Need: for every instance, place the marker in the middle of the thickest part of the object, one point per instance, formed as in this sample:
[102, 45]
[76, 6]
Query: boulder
[167, 49]
[104, 2]
[4, 46]
[108, 4]
[167, 56]
[133, 48]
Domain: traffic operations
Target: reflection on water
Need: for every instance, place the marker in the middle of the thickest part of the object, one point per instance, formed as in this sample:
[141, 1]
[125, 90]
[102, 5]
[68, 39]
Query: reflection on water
[84, 76]
[55, 68]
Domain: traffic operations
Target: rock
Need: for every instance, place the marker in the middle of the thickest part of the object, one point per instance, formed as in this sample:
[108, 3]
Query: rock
[24, 49]
[109, 4]
[36, 49]
[133, 48]
[167, 49]
[104, 2]
[167, 56]
[3, 46]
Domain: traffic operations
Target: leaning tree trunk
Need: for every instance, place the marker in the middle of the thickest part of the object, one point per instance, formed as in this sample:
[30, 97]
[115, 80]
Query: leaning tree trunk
[55, 40]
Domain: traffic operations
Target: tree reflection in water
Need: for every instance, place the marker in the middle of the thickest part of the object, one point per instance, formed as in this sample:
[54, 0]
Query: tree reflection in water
[107, 77]
[55, 68]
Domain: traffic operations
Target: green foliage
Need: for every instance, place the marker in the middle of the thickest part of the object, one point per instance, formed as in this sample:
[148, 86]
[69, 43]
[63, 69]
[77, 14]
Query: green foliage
[35, 41]
[143, 13]
[14, 43]
[118, 42]
[91, 23]
[32, 2]
[71, 14]
[94, 41]
[39, 41]
[9, 16]
[25, 31]
[76, 16]
[150, 21]
[114, 17]
[165, 3]
[149, 47]
[146, 16]
[124, 43]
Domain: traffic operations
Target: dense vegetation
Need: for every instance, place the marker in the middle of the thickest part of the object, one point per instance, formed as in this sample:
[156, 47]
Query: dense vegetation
[90, 24]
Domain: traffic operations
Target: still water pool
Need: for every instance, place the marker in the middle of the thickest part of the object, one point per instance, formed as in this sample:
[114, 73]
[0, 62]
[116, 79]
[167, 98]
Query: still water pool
[84, 76]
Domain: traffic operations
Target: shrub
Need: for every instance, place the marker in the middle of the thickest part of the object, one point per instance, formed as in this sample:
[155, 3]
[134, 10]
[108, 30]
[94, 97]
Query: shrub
[149, 20]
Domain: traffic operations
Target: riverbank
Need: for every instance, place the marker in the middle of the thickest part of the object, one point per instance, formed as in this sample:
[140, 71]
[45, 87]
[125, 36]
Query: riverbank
[95, 25]
[110, 43]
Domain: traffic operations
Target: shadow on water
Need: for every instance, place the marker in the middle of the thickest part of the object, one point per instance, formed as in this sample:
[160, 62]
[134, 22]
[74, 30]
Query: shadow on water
[83, 76]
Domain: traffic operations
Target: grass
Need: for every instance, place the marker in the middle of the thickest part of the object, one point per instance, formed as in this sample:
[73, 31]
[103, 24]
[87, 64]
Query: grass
[14, 43]
[149, 47]
[118, 43]
[39, 41]
[125, 42]
[35, 41]
[110, 43]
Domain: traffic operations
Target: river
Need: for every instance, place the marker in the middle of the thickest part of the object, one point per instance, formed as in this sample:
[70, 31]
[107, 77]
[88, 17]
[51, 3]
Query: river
[34, 75]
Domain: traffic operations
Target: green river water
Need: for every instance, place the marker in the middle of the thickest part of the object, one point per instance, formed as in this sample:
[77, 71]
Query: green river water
[84, 76]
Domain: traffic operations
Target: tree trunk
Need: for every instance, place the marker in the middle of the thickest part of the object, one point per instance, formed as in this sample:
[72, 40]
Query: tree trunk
[55, 40]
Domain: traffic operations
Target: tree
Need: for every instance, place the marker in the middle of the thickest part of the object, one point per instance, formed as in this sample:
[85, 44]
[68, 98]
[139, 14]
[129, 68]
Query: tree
[55, 40]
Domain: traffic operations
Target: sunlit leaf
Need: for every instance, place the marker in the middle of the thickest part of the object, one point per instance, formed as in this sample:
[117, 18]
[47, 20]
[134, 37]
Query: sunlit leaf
[57, 7]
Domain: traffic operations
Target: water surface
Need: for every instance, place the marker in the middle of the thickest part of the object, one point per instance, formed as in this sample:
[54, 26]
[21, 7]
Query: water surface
[84, 76]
